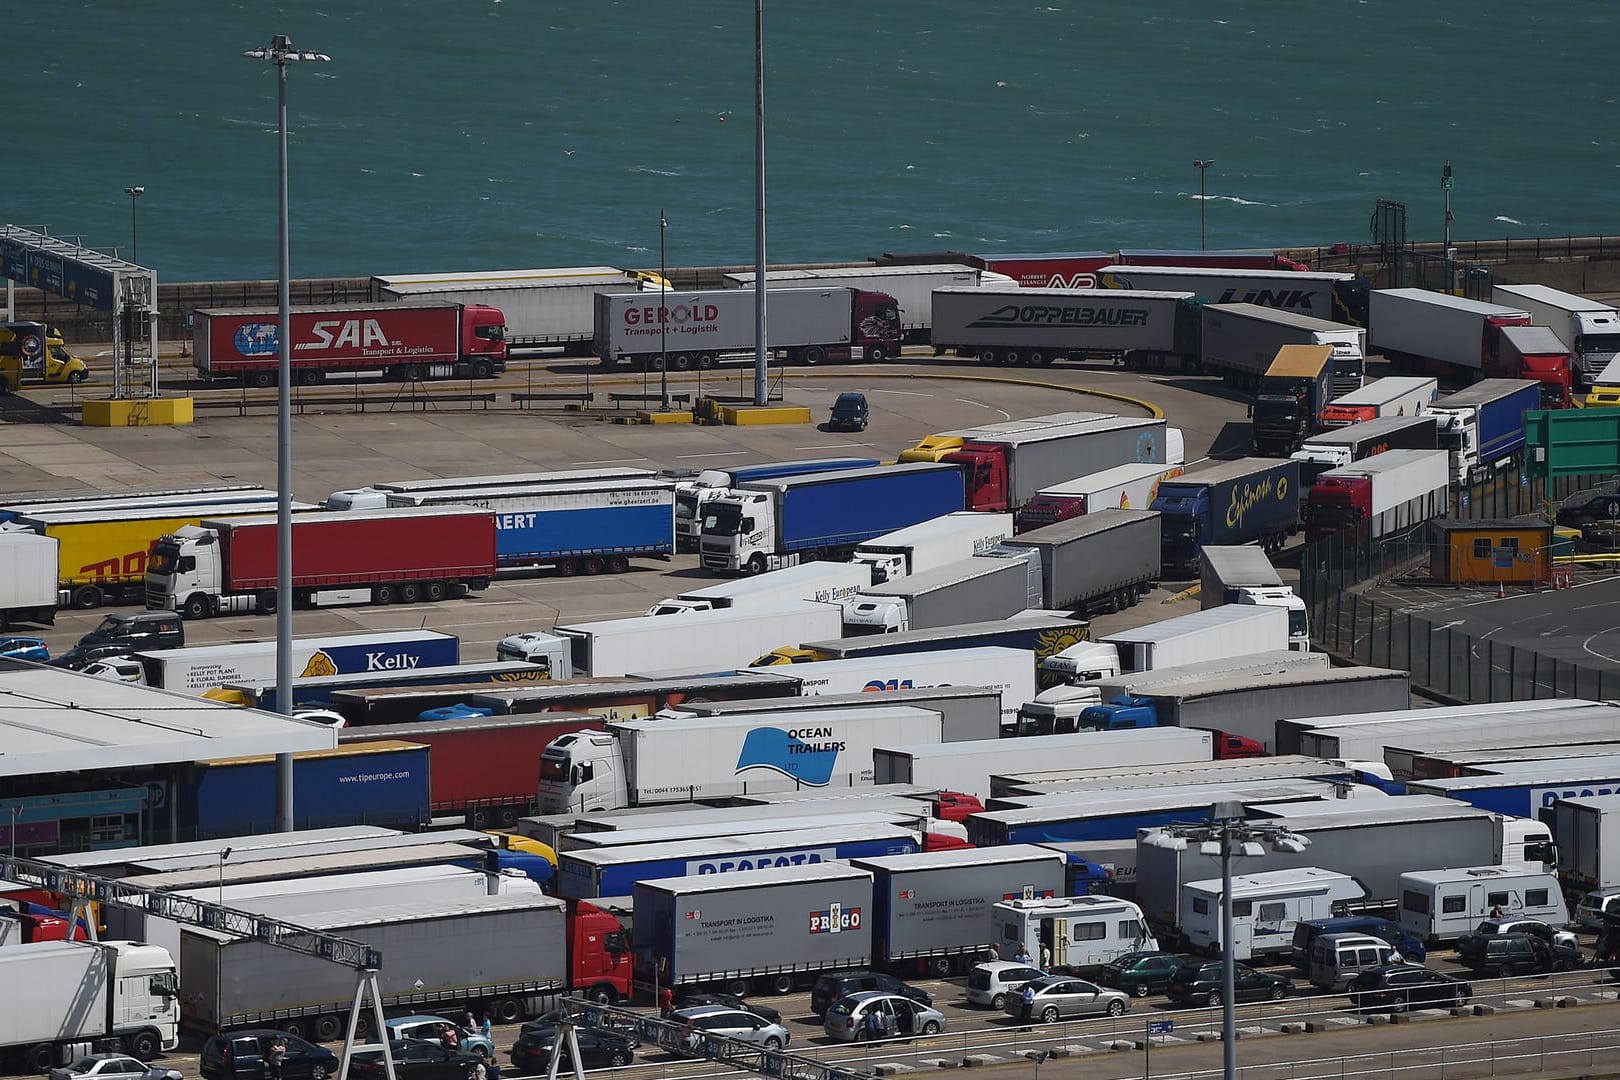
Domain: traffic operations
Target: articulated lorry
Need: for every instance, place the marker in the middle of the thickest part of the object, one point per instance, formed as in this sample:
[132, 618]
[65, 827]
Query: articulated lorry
[692, 495]
[311, 693]
[1389, 494]
[1291, 396]
[690, 330]
[646, 762]
[1342, 446]
[1528, 788]
[396, 341]
[1240, 341]
[769, 524]
[1457, 339]
[365, 557]
[934, 447]
[1244, 501]
[1483, 426]
[1033, 327]
[1124, 487]
[199, 668]
[972, 588]
[1321, 295]
[69, 997]
[1102, 562]
[28, 568]
[1042, 634]
[1393, 395]
[1003, 473]
[911, 285]
[1587, 827]
[931, 544]
[818, 582]
[1525, 349]
[544, 308]
[583, 528]
[1244, 575]
[1587, 328]
[376, 496]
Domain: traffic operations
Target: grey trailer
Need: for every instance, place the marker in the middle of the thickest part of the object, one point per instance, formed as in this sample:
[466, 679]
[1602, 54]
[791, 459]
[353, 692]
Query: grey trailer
[1098, 562]
[1251, 705]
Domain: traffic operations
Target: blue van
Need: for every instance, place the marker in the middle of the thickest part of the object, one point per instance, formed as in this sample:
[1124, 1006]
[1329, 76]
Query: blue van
[1308, 930]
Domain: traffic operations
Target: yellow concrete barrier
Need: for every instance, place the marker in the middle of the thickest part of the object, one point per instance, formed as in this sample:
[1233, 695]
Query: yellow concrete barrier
[752, 415]
[136, 412]
[664, 417]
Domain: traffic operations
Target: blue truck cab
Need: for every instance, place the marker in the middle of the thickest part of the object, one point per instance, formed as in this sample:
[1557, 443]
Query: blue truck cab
[1242, 501]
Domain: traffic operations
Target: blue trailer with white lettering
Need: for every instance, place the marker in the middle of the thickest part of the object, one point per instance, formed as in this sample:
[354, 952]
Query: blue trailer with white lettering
[578, 528]
[613, 871]
[1526, 788]
[1243, 501]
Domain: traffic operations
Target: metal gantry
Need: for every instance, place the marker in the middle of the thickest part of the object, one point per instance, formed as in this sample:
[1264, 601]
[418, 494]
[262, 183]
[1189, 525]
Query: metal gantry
[82, 889]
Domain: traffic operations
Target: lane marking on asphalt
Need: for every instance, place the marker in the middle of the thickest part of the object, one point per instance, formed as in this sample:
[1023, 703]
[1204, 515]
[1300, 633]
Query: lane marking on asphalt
[610, 461]
[907, 393]
[719, 453]
[834, 446]
[1586, 646]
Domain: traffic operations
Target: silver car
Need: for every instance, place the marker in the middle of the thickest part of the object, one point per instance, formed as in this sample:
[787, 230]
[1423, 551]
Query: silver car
[849, 1019]
[732, 1024]
[1059, 997]
[112, 1067]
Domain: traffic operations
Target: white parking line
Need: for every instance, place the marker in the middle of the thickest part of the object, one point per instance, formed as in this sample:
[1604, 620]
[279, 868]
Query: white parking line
[722, 453]
[906, 393]
[609, 461]
[834, 446]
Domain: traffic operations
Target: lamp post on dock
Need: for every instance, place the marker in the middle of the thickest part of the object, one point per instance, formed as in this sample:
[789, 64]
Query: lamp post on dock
[134, 194]
[280, 52]
[1202, 166]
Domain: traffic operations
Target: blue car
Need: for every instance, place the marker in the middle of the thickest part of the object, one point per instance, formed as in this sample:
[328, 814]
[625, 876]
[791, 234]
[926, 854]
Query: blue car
[25, 648]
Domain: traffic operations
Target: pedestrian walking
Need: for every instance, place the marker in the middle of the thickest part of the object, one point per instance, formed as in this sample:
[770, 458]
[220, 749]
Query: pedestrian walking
[485, 1029]
[276, 1058]
[1028, 1008]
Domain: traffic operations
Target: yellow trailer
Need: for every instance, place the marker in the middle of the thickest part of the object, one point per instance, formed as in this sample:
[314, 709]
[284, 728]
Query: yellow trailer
[102, 553]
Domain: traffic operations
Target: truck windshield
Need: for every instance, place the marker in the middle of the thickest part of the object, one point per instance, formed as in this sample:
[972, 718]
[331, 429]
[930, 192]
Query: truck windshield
[1333, 517]
[554, 769]
[1297, 626]
[686, 506]
[164, 559]
[1178, 528]
[723, 520]
[490, 333]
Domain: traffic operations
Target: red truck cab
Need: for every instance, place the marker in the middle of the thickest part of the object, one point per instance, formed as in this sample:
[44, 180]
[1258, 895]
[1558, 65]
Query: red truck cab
[984, 473]
[1335, 503]
[1043, 510]
[483, 333]
[1229, 747]
[956, 805]
[599, 958]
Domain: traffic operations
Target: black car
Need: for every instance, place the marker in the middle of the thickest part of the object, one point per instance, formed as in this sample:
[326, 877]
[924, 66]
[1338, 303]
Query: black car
[597, 1049]
[1399, 987]
[1140, 973]
[1516, 954]
[1598, 508]
[1200, 984]
[849, 413]
[417, 1059]
[834, 985]
[687, 999]
[240, 1056]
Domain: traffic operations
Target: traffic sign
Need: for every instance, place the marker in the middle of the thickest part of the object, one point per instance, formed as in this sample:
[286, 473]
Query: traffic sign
[1161, 1027]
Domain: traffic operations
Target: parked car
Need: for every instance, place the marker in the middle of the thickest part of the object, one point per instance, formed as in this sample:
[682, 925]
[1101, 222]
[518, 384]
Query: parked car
[830, 987]
[531, 1053]
[1516, 954]
[1598, 908]
[849, 412]
[991, 982]
[1590, 511]
[428, 1028]
[1140, 973]
[691, 999]
[239, 1055]
[113, 1067]
[1399, 987]
[25, 648]
[1308, 930]
[905, 1017]
[1062, 997]
[1200, 984]
[417, 1059]
[738, 1024]
[1534, 927]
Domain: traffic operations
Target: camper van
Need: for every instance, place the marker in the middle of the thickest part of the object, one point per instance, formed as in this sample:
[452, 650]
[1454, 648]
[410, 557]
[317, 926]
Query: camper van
[1074, 933]
[1440, 905]
[1265, 908]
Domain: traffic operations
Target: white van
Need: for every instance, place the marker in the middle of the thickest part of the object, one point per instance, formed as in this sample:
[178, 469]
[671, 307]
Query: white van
[1439, 905]
[1073, 933]
[1265, 908]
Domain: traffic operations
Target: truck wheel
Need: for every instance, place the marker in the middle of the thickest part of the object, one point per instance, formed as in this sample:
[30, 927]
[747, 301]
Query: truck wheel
[78, 375]
[435, 591]
[410, 592]
[261, 380]
[144, 1045]
[86, 597]
[506, 1010]
[987, 356]
[655, 362]
[813, 355]
[602, 995]
[592, 566]
[618, 564]
[756, 565]
[196, 606]
[328, 1027]
[1037, 360]
[567, 568]
[940, 967]
[681, 361]
[483, 369]
[40, 1058]
[737, 987]
[297, 1027]
[413, 372]
[877, 354]
[382, 594]
[311, 377]
[705, 360]
[267, 602]
[781, 984]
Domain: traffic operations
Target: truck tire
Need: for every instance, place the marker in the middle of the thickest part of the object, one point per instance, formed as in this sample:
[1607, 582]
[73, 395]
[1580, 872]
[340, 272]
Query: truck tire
[737, 987]
[653, 362]
[618, 564]
[296, 1026]
[267, 602]
[567, 568]
[41, 1057]
[144, 1045]
[382, 594]
[987, 356]
[328, 1027]
[877, 354]
[483, 369]
[195, 607]
[86, 597]
[940, 967]
[681, 361]
[781, 984]
[602, 994]
[260, 380]
[756, 566]
[705, 361]
[413, 372]
[1038, 359]
[508, 1010]
[310, 377]
[435, 591]
[813, 355]
[410, 592]
[592, 565]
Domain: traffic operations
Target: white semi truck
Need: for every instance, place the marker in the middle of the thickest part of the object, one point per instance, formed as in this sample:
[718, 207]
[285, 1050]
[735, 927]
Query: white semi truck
[932, 544]
[67, 997]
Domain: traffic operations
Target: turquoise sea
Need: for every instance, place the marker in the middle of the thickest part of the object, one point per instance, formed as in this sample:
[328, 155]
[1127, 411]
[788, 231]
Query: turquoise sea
[467, 134]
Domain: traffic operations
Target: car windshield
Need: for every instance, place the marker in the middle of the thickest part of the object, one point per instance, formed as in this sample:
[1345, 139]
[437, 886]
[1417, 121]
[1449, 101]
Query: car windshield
[109, 627]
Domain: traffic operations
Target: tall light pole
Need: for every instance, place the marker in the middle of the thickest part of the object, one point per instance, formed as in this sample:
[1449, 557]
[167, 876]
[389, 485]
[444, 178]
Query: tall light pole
[1202, 166]
[760, 373]
[134, 194]
[1445, 243]
[281, 53]
[663, 317]
[1228, 834]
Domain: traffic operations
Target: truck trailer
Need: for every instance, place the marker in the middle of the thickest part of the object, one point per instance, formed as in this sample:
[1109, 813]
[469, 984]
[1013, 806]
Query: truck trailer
[687, 330]
[1386, 495]
[768, 524]
[930, 544]
[1587, 328]
[366, 557]
[1342, 446]
[1291, 396]
[1243, 501]
[1244, 575]
[375, 496]
[1452, 337]
[717, 640]
[1003, 473]
[972, 588]
[692, 495]
[1320, 295]
[1528, 788]
[1586, 828]
[1483, 426]
[934, 447]
[70, 996]
[1034, 326]
[1102, 562]
[814, 582]
[1530, 350]
[409, 342]
[1393, 395]
[911, 285]
[28, 569]
[1042, 634]
[1124, 487]
[1240, 340]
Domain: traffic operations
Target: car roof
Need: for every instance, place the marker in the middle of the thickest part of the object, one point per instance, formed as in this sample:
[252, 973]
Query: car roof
[417, 1017]
[696, 1011]
[1002, 965]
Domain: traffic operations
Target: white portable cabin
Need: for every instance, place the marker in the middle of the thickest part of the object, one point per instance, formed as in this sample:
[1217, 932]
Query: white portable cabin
[1265, 908]
[1439, 905]
[1072, 933]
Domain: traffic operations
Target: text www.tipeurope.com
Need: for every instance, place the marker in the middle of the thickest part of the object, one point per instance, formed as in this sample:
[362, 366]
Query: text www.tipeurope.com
[366, 778]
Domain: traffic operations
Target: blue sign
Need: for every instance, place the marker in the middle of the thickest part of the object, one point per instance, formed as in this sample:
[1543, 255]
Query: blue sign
[83, 283]
[1161, 1027]
[13, 259]
[45, 271]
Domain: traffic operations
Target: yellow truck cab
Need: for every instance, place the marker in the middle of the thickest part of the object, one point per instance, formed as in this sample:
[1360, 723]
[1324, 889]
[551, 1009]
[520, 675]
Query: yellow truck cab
[933, 448]
[789, 654]
[33, 352]
[1605, 392]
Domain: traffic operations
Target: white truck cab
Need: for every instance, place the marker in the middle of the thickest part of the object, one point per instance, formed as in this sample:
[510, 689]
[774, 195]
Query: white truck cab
[1280, 596]
[538, 647]
[1077, 669]
[366, 498]
[738, 532]
[582, 772]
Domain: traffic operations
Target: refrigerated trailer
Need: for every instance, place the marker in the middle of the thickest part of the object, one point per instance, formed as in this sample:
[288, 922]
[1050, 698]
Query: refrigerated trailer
[1393, 395]
[1033, 327]
[1587, 328]
[912, 286]
[1385, 495]
[1342, 446]
[972, 588]
[1239, 341]
[931, 544]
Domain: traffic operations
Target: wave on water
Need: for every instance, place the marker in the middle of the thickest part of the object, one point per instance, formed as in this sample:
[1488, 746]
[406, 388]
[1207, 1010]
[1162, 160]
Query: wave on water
[1235, 199]
[653, 171]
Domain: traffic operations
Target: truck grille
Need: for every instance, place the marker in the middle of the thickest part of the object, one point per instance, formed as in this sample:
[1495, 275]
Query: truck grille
[156, 600]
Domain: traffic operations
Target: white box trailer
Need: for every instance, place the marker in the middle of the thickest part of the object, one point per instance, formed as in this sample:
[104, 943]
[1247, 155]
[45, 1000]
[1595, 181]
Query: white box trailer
[1295, 291]
[957, 592]
[543, 307]
[1386, 494]
[1419, 324]
[1588, 328]
[1240, 341]
[1367, 737]
[818, 582]
[912, 286]
[1228, 630]
[706, 640]
[1393, 395]
[1587, 829]
[1011, 672]
[66, 996]
[968, 766]
[28, 579]
[1033, 327]
[933, 543]
[1265, 908]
